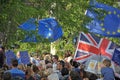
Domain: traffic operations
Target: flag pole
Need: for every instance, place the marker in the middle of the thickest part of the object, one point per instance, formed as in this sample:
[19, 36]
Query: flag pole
[98, 66]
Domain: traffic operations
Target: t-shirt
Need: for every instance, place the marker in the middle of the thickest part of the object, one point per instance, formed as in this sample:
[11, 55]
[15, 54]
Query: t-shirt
[53, 76]
[108, 73]
[16, 72]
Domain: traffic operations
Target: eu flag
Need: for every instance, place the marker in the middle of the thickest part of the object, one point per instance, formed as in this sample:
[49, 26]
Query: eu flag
[25, 59]
[28, 25]
[109, 25]
[116, 57]
[29, 38]
[9, 56]
[49, 29]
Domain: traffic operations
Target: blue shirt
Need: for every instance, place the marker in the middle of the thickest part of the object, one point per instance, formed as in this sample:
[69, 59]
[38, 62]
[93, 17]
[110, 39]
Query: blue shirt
[16, 72]
[19, 61]
[108, 73]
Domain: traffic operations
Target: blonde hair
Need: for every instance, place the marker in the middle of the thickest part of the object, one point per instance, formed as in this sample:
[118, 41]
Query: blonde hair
[107, 62]
[47, 57]
[21, 67]
[29, 70]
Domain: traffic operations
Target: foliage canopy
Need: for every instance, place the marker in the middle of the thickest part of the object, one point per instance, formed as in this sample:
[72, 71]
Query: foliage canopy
[69, 13]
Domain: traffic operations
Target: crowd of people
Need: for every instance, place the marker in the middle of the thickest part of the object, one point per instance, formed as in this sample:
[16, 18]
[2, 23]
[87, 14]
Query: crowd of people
[50, 67]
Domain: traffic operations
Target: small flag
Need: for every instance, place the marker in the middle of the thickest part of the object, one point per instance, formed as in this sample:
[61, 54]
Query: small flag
[31, 38]
[28, 25]
[25, 59]
[116, 57]
[108, 25]
[50, 29]
[9, 57]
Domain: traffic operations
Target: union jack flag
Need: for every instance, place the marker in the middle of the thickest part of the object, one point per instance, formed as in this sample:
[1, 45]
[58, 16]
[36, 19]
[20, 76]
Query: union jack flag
[90, 45]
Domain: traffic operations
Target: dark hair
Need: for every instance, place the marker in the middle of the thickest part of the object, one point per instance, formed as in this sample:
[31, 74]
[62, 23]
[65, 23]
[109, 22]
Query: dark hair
[5, 67]
[30, 64]
[74, 75]
[93, 76]
[62, 63]
[67, 54]
[14, 62]
[84, 73]
[56, 57]
[35, 68]
[3, 48]
[64, 71]
[47, 61]
[71, 61]
[75, 64]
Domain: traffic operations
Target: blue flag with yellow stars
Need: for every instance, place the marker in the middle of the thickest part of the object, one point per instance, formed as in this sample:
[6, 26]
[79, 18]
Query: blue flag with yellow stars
[50, 29]
[109, 25]
[9, 57]
[28, 25]
[30, 38]
[116, 57]
[25, 58]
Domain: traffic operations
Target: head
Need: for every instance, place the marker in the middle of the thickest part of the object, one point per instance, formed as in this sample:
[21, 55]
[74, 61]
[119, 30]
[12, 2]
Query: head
[83, 73]
[107, 62]
[2, 48]
[35, 69]
[29, 71]
[5, 67]
[1, 52]
[14, 63]
[49, 71]
[47, 57]
[49, 65]
[55, 58]
[74, 75]
[60, 64]
[67, 65]
[64, 71]
[74, 64]
[67, 54]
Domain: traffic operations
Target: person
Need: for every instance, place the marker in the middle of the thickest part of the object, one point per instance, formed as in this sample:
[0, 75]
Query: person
[35, 74]
[29, 74]
[2, 56]
[60, 65]
[7, 76]
[65, 73]
[73, 75]
[18, 57]
[75, 66]
[106, 71]
[83, 74]
[52, 75]
[55, 59]
[15, 72]
[68, 56]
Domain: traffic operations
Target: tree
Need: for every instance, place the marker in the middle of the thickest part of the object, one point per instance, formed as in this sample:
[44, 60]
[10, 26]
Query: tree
[69, 13]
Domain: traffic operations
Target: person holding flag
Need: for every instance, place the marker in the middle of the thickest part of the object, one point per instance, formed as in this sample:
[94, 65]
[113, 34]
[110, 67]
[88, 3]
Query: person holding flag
[106, 71]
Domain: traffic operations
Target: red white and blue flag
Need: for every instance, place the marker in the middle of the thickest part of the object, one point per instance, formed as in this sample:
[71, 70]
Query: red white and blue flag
[89, 45]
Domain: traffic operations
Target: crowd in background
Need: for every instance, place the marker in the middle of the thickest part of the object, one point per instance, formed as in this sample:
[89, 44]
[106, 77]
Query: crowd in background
[50, 67]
